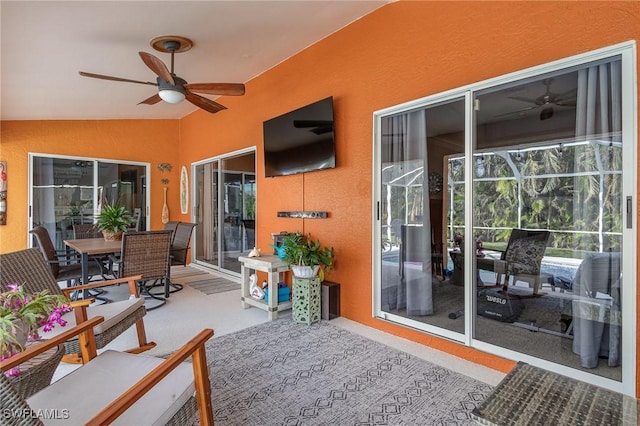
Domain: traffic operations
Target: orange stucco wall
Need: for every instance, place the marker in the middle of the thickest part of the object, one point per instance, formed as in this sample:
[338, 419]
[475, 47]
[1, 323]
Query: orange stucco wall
[152, 141]
[401, 52]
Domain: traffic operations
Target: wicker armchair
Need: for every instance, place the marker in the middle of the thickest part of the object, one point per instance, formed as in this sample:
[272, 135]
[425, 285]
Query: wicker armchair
[134, 389]
[28, 267]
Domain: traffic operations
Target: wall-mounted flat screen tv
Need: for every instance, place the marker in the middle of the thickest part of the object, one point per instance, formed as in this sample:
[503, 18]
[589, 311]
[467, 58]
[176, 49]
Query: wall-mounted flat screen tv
[300, 141]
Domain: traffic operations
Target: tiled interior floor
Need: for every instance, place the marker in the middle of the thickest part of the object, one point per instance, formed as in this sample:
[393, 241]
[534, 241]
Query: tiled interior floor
[188, 311]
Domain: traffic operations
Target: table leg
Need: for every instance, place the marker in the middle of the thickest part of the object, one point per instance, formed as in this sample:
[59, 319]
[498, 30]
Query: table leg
[244, 286]
[84, 258]
[273, 295]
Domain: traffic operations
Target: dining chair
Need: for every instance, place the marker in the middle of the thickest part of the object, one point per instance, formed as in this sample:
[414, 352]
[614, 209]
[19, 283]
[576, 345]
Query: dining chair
[64, 266]
[146, 254]
[29, 268]
[171, 226]
[181, 238]
[180, 243]
[85, 230]
[133, 389]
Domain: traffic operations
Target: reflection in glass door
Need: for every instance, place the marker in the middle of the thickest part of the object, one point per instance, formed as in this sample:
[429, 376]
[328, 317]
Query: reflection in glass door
[224, 210]
[416, 246]
[547, 202]
[66, 191]
[538, 216]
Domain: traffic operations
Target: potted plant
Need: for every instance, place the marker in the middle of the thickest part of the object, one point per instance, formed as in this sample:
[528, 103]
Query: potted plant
[113, 221]
[21, 314]
[306, 256]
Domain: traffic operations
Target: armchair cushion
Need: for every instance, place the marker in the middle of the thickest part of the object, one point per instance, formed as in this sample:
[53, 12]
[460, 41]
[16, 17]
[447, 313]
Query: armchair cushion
[105, 378]
[114, 313]
[525, 255]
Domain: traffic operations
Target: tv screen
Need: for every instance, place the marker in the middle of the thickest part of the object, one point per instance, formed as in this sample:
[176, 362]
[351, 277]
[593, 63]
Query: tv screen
[300, 141]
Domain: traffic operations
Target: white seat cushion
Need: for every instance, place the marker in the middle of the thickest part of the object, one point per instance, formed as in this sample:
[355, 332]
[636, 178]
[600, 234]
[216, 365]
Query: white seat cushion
[112, 312]
[83, 393]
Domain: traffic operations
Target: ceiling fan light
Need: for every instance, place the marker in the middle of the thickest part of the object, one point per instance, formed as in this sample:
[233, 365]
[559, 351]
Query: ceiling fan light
[171, 96]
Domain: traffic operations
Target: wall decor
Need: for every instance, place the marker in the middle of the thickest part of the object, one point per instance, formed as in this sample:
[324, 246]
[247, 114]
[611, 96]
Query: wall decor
[3, 192]
[184, 191]
[165, 208]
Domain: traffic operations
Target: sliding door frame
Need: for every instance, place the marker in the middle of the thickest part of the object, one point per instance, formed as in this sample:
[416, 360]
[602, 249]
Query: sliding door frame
[627, 53]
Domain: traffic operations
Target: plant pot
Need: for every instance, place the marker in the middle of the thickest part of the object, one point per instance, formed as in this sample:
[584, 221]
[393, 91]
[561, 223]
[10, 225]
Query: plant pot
[20, 332]
[112, 236]
[303, 271]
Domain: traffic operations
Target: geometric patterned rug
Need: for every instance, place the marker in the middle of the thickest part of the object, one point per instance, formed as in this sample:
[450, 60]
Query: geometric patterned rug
[283, 373]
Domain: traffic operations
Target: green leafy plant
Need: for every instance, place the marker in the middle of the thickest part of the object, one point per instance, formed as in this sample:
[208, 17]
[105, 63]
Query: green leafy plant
[114, 219]
[300, 249]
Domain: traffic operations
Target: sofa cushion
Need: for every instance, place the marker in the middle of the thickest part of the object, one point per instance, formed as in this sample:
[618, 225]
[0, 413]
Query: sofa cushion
[112, 312]
[87, 390]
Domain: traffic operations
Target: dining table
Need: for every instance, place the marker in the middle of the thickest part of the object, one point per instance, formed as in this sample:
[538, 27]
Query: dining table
[87, 247]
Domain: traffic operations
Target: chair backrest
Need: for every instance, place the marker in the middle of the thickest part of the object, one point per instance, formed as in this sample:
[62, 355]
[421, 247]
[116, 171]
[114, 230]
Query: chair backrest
[43, 239]
[27, 267]
[526, 248]
[137, 215]
[250, 230]
[597, 273]
[171, 226]
[145, 253]
[85, 230]
[181, 241]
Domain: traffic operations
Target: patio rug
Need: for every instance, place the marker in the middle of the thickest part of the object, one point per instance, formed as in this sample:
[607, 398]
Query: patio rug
[282, 373]
[215, 285]
[202, 281]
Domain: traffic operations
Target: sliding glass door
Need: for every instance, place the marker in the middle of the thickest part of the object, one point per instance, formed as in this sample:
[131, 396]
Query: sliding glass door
[413, 243]
[504, 216]
[224, 210]
[69, 190]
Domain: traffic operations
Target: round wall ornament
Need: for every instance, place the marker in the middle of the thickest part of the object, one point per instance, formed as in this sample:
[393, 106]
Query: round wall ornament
[435, 183]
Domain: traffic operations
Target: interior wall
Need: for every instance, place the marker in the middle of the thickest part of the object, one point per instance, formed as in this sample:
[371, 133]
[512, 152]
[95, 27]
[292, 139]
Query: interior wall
[403, 51]
[152, 141]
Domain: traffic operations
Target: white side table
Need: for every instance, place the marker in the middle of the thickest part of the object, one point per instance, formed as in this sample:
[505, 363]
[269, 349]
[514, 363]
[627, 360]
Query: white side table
[273, 266]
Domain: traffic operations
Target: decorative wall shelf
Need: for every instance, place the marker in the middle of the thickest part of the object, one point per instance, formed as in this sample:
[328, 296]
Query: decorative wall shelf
[305, 215]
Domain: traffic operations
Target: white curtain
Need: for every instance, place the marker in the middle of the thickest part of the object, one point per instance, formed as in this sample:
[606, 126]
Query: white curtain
[405, 149]
[599, 119]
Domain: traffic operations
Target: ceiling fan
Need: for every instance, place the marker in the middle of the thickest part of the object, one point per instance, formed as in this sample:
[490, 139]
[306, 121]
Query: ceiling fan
[547, 100]
[172, 88]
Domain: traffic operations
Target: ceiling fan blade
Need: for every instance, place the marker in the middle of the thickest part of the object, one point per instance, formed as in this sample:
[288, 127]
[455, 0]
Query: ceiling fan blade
[157, 66]
[228, 89]
[204, 103]
[151, 100]
[107, 77]
[516, 111]
[523, 99]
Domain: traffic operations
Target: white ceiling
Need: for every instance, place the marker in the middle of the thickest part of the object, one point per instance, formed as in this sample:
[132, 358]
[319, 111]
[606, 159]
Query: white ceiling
[43, 45]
